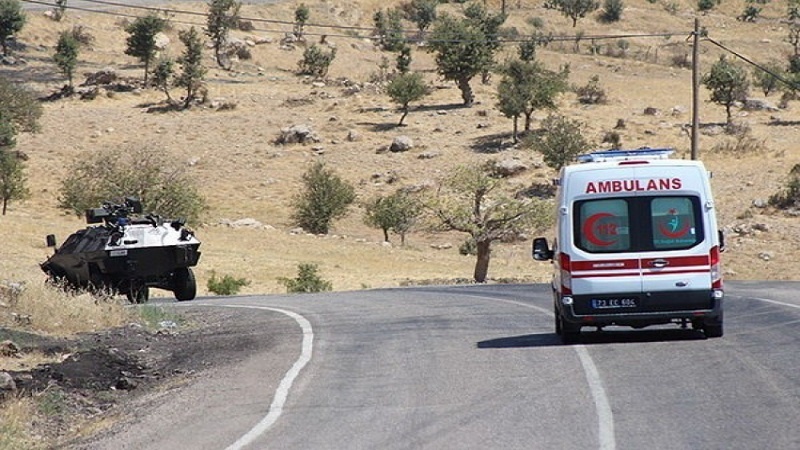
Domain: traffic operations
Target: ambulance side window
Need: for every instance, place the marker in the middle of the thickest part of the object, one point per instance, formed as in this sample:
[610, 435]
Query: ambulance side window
[675, 222]
[603, 226]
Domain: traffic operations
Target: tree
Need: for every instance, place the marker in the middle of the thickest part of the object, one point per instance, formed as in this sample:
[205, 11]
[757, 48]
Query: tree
[470, 201]
[612, 11]
[66, 56]
[406, 88]
[397, 212]
[389, 28]
[728, 84]
[164, 187]
[324, 198]
[60, 10]
[465, 47]
[12, 167]
[193, 72]
[301, 15]
[223, 15]
[12, 19]
[141, 41]
[526, 87]
[19, 107]
[163, 75]
[559, 141]
[574, 9]
[769, 80]
[422, 13]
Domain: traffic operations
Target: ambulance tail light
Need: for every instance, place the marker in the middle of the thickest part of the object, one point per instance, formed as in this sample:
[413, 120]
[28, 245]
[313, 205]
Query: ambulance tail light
[566, 273]
[716, 268]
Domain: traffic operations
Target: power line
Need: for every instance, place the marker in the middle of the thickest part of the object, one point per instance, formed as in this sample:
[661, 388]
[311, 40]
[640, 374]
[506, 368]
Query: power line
[778, 77]
[504, 41]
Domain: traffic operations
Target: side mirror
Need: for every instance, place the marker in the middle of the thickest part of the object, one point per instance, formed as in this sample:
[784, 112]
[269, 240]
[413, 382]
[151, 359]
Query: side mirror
[51, 240]
[721, 240]
[541, 250]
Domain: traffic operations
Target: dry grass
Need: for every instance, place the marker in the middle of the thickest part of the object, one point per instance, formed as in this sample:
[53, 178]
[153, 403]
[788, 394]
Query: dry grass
[244, 174]
[16, 417]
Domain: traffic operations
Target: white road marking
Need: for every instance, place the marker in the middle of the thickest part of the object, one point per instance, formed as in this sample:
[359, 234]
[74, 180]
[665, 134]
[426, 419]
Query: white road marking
[775, 302]
[276, 408]
[605, 417]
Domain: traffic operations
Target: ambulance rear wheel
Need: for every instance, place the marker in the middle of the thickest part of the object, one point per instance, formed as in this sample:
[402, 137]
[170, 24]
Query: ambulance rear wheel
[570, 334]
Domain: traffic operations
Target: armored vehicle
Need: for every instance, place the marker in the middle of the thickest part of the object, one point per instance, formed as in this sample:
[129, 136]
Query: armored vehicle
[127, 254]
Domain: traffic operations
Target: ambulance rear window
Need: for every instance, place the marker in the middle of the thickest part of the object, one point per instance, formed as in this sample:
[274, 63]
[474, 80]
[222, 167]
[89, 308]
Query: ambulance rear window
[604, 226]
[638, 224]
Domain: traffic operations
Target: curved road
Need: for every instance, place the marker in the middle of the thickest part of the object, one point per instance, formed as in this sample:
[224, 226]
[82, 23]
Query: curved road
[479, 367]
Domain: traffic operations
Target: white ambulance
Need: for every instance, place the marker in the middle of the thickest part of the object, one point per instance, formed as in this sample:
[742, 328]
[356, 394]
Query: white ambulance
[636, 244]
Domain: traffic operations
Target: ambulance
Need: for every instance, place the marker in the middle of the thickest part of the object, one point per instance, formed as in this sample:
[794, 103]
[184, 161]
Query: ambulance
[636, 244]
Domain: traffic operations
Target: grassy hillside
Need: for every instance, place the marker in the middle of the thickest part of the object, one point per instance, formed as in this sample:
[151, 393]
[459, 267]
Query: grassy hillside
[244, 174]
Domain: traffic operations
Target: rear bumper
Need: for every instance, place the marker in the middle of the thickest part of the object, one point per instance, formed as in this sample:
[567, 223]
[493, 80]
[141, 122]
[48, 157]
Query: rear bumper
[652, 308]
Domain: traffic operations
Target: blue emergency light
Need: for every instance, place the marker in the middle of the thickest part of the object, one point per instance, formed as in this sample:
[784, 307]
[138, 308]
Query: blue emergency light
[621, 155]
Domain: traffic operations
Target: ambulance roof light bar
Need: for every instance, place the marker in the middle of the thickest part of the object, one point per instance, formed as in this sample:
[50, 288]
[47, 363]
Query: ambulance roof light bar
[625, 155]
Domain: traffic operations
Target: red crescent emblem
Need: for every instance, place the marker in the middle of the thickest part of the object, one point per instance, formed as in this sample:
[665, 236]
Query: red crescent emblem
[678, 233]
[588, 230]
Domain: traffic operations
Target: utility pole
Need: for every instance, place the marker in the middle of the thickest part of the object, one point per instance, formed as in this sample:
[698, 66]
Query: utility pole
[695, 86]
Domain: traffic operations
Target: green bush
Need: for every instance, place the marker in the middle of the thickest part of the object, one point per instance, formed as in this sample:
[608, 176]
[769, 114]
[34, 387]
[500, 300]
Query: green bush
[612, 11]
[226, 285]
[164, 187]
[325, 197]
[316, 62]
[307, 280]
[468, 248]
[789, 197]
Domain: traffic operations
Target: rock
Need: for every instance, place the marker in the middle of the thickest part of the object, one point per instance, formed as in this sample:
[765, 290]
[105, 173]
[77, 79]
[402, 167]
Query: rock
[759, 104]
[302, 134]
[760, 203]
[8, 349]
[353, 136]
[429, 155]
[248, 222]
[651, 111]
[7, 384]
[401, 144]
[161, 41]
[765, 256]
[508, 167]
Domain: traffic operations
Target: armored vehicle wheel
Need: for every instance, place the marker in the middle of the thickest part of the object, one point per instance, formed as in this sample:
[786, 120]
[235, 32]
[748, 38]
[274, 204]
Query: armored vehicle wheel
[138, 293]
[184, 284]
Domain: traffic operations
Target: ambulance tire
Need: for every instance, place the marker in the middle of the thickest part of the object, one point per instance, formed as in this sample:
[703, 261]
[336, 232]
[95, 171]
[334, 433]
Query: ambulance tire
[570, 334]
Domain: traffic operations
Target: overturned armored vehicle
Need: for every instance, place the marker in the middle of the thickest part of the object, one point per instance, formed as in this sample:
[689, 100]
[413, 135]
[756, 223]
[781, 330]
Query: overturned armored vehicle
[127, 254]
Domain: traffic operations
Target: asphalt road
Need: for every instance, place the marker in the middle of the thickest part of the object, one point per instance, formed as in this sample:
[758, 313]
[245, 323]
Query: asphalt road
[478, 367]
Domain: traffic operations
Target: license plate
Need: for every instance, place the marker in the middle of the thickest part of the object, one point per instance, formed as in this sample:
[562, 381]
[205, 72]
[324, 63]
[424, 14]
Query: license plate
[613, 303]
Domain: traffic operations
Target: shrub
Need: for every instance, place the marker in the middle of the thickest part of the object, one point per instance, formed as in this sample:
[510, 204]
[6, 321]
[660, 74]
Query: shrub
[612, 11]
[164, 187]
[307, 280]
[325, 197]
[468, 248]
[789, 197]
[591, 93]
[559, 141]
[226, 285]
[316, 62]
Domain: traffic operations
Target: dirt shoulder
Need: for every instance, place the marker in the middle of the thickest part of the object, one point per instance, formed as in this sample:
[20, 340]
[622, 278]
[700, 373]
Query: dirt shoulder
[104, 376]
